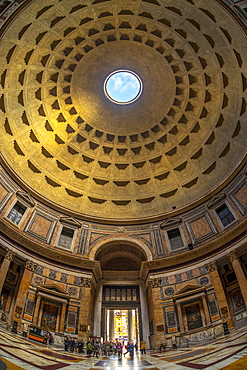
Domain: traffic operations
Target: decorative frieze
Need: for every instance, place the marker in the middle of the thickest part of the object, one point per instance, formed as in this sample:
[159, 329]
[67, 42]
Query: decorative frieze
[202, 270]
[39, 270]
[164, 281]
[178, 278]
[189, 274]
[77, 280]
[64, 278]
[52, 274]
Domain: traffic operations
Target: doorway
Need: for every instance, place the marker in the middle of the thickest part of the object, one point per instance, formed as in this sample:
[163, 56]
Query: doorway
[121, 313]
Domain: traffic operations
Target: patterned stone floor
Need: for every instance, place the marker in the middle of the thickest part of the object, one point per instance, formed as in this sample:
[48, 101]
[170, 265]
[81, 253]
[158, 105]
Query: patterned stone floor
[226, 353]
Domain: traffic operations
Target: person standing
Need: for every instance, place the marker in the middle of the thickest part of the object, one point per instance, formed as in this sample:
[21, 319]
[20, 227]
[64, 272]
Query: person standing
[89, 348]
[45, 339]
[143, 347]
[72, 345]
[66, 343]
[119, 349]
[127, 348]
[50, 339]
[131, 349]
[96, 349]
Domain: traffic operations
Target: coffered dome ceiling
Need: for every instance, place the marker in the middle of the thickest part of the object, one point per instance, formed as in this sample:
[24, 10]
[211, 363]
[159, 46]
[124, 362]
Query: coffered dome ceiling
[71, 145]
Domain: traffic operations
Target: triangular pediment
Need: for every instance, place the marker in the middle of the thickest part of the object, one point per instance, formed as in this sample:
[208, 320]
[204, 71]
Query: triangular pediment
[216, 200]
[53, 289]
[70, 221]
[26, 198]
[189, 290]
[171, 222]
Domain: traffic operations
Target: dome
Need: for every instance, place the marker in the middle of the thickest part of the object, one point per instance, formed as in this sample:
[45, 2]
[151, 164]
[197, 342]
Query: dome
[74, 149]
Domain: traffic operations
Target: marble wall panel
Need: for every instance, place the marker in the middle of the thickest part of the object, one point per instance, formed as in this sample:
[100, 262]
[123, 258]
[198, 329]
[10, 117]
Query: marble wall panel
[200, 227]
[41, 225]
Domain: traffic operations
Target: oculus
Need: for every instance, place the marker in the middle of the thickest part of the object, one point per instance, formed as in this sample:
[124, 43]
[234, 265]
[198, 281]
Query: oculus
[123, 87]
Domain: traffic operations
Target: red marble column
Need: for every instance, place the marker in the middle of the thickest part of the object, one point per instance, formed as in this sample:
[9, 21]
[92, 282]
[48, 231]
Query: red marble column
[23, 291]
[84, 316]
[158, 315]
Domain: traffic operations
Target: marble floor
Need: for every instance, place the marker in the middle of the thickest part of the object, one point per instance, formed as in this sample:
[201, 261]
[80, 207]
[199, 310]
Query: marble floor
[226, 353]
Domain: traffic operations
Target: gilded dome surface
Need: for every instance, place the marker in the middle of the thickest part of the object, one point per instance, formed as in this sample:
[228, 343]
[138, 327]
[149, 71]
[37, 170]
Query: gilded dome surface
[73, 147]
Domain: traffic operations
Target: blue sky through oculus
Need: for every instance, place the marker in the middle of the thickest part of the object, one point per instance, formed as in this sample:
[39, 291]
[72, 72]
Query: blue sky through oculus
[123, 86]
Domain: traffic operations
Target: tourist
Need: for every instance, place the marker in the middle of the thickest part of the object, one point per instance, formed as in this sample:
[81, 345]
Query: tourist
[96, 349]
[131, 349]
[45, 338]
[102, 349]
[127, 348]
[66, 343]
[119, 349]
[143, 347]
[72, 345]
[107, 349]
[50, 339]
[89, 347]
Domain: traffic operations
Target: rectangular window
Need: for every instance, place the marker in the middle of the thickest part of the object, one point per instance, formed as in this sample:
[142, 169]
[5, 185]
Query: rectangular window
[66, 238]
[225, 215]
[16, 213]
[175, 239]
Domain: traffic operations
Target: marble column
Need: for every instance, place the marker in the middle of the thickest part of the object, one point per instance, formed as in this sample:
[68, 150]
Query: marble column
[36, 310]
[9, 255]
[85, 309]
[206, 311]
[130, 325]
[143, 320]
[98, 313]
[242, 281]
[220, 294]
[111, 325]
[23, 291]
[62, 320]
[180, 317]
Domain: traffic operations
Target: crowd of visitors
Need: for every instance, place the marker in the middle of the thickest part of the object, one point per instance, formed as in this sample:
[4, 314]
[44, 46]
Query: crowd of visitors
[105, 349]
[72, 345]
